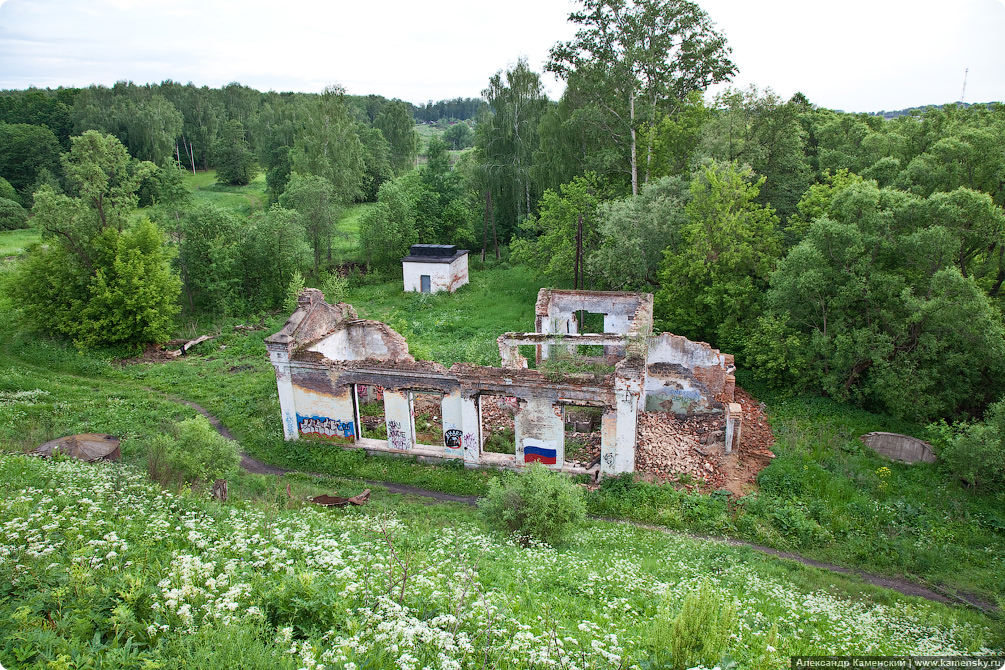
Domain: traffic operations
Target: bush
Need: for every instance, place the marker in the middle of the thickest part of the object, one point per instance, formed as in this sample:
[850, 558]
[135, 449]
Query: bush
[535, 504]
[12, 215]
[335, 288]
[976, 452]
[699, 634]
[193, 452]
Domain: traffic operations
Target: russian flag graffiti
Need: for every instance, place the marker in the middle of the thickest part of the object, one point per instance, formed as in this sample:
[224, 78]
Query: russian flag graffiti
[536, 454]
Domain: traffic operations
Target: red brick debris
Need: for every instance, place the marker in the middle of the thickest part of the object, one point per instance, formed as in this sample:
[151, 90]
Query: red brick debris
[670, 446]
[757, 438]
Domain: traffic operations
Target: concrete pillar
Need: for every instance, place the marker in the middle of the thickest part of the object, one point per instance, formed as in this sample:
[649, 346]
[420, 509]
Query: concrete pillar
[471, 442]
[627, 422]
[540, 434]
[608, 441]
[398, 415]
[280, 359]
[734, 425]
[453, 425]
[627, 394]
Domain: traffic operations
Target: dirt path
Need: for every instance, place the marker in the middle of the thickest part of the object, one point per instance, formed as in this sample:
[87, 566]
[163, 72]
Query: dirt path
[903, 586]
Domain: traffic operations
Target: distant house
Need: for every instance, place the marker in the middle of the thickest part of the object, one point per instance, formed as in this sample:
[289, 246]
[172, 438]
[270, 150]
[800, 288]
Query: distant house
[429, 268]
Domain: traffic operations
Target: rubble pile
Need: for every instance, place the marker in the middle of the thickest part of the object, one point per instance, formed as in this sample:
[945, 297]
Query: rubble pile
[497, 413]
[670, 445]
[756, 437]
[582, 449]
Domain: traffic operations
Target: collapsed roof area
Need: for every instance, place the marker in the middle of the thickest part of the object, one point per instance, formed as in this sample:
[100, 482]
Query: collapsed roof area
[352, 382]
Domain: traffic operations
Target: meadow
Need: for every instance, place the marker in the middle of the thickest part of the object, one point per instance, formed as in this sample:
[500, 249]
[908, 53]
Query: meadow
[102, 568]
[241, 581]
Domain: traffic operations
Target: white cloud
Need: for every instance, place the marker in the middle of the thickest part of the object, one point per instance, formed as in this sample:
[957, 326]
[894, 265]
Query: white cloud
[855, 55]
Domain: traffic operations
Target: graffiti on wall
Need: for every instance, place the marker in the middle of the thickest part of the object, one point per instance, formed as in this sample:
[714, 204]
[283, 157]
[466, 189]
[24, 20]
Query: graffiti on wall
[452, 438]
[370, 393]
[396, 437]
[325, 427]
[535, 451]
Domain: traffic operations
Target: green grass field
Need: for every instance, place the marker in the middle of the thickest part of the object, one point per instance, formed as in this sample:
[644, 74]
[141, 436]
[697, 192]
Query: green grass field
[244, 200]
[14, 242]
[107, 569]
[461, 326]
[823, 496]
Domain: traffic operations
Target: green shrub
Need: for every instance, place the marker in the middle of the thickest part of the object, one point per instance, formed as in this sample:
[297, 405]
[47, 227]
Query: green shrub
[535, 504]
[697, 636]
[335, 287]
[975, 453]
[12, 215]
[193, 452]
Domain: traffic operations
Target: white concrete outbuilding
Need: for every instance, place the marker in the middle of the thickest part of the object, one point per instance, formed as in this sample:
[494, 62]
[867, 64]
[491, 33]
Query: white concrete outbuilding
[429, 268]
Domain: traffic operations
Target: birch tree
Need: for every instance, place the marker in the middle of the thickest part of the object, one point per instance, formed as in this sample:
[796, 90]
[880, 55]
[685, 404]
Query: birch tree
[641, 59]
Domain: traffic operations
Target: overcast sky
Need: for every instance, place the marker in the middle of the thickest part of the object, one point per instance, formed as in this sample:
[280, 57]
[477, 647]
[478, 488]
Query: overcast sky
[856, 55]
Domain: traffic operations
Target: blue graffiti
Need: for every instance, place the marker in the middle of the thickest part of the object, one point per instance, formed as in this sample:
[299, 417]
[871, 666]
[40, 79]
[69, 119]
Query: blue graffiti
[320, 425]
[689, 394]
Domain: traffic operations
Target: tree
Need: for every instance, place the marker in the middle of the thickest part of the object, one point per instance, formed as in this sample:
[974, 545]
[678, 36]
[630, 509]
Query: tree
[459, 136]
[387, 229]
[207, 239]
[376, 161]
[712, 281]
[318, 210]
[641, 58]
[396, 124]
[559, 240]
[271, 251]
[235, 161]
[871, 307]
[12, 215]
[327, 145]
[757, 129]
[635, 231]
[28, 154]
[99, 278]
[142, 119]
[675, 139]
[508, 139]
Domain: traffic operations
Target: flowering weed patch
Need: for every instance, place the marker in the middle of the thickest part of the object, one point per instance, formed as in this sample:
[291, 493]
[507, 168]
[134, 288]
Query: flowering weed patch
[98, 563]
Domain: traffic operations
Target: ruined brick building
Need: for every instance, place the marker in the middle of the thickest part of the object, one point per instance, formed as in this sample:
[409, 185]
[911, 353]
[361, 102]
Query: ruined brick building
[333, 368]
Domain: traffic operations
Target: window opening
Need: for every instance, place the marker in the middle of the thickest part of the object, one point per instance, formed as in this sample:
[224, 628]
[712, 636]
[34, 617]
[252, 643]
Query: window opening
[427, 418]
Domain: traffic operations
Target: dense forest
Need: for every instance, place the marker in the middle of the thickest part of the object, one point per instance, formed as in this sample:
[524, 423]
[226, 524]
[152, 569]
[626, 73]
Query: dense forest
[848, 255]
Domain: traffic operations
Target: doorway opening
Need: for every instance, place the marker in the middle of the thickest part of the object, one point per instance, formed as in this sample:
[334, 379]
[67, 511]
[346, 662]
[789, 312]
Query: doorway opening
[370, 407]
[582, 435]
